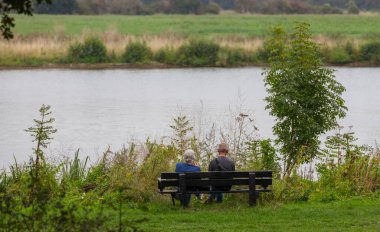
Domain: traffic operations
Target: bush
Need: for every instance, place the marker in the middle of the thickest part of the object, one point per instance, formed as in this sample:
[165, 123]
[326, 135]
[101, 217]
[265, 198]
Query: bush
[165, 55]
[371, 52]
[292, 189]
[351, 50]
[137, 52]
[236, 57]
[92, 50]
[263, 156]
[262, 54]
[198, 53]
[339, 55]
[347, 169]
[212, 8]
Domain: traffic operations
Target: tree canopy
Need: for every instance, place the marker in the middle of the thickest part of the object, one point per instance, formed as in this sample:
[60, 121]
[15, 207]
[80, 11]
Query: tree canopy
[17, 6]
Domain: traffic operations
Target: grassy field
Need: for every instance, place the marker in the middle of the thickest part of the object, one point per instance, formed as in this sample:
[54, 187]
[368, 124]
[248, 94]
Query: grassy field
[351, 215]
[205, 25]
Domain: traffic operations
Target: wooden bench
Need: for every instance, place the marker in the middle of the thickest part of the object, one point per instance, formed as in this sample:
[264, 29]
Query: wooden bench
[253, 182]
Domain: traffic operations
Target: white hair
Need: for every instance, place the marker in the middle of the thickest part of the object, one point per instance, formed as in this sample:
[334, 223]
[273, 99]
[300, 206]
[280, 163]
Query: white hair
[189, 156]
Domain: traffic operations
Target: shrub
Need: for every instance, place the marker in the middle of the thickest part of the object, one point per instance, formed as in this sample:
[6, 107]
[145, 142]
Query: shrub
[92, 50]
[165, 55]
[350, 49]
[339, 55]
[262, 54]
[75, 52]
[212, 8]
[347, 169]
[198, 53]
[236, 57]
[291, 189]
[263, 156]
[137, 52]
[371, 52]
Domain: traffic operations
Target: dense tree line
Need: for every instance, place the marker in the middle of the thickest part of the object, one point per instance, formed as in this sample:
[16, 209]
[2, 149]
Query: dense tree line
[133, 7]
[283, 6]
[362, 4]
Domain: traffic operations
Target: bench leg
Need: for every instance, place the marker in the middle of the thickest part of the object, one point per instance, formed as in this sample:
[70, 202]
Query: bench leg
[182, 186]
[252, 189]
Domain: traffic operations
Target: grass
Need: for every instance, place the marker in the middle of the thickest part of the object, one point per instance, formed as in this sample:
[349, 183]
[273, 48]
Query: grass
[204, 25]
[350, 215]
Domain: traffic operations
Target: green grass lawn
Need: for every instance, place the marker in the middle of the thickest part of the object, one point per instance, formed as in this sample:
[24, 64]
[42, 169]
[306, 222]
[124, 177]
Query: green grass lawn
[351, 215]
[204, 25]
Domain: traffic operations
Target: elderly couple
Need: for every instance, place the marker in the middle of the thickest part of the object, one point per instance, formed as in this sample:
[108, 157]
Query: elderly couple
[220, 163]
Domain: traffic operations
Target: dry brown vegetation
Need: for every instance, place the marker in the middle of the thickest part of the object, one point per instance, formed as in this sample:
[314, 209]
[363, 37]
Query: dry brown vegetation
[50, 47]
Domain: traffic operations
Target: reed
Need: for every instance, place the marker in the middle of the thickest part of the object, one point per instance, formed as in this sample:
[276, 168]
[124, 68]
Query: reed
[75, 169]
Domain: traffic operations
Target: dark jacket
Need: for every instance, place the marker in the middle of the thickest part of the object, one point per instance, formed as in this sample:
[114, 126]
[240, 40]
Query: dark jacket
[222, 163]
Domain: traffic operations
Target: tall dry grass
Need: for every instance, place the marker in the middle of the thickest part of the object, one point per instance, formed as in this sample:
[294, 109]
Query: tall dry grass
[55, 45]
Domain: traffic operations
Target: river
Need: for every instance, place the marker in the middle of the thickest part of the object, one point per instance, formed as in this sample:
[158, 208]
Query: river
[99, 108]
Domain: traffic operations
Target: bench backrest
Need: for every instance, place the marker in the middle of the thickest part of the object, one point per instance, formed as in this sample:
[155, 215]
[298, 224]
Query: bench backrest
[223, 178]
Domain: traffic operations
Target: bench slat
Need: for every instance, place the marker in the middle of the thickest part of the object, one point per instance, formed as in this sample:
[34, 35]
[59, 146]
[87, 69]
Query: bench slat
[208, 191]
[224, 174]
[214, 182]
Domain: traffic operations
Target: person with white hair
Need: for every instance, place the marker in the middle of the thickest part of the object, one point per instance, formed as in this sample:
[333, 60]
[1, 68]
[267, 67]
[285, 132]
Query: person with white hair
[188, 166]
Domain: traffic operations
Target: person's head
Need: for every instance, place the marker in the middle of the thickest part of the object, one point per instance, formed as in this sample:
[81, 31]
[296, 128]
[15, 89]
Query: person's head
[223, 149]
[189, 156]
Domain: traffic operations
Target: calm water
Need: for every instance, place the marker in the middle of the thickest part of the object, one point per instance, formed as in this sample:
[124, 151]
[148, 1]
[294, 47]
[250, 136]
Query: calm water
[94, 109]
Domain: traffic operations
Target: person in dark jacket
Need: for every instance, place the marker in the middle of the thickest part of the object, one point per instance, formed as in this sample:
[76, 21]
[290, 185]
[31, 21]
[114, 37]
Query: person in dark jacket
[220, 163]
[188, 166]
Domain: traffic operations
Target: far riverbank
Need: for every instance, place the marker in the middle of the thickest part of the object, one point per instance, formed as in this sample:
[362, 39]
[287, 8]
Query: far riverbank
[110, 66]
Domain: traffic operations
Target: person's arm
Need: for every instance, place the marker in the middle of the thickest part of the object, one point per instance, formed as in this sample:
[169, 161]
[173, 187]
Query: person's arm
[177, 168]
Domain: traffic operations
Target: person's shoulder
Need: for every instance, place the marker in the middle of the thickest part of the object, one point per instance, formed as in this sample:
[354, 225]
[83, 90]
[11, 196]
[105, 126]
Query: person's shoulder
[229, 159]
[179, 167]
[212, 165]
[213, 161]
[226, 158]
[194, 167]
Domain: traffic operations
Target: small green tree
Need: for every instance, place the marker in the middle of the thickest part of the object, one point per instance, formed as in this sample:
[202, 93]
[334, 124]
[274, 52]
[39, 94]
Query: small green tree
[41, 132]
[263, 156]
[181, 128]
[303, 96]
[42, 182]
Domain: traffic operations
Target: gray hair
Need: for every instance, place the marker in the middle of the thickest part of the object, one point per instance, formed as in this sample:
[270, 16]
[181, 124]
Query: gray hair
[189, 156]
